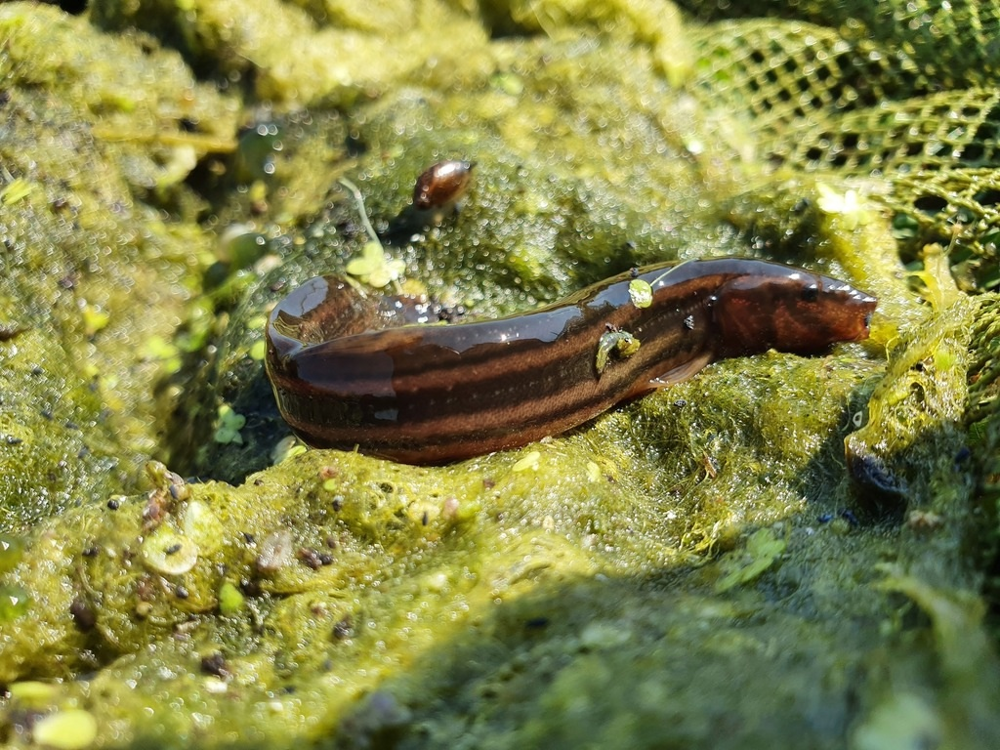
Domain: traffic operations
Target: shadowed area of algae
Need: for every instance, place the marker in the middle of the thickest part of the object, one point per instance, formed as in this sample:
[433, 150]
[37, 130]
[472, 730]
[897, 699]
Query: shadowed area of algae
[780, 551]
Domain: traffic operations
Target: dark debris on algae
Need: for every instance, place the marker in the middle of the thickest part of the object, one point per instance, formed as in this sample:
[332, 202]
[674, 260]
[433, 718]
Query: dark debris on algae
[781, 551]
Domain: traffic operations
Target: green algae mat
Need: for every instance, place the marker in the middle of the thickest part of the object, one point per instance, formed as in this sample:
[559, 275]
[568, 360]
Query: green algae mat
[782, 551]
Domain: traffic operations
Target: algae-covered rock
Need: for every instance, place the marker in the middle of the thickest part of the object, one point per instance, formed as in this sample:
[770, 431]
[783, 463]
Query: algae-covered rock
[99, 134]
[339, 53]
[781, 547]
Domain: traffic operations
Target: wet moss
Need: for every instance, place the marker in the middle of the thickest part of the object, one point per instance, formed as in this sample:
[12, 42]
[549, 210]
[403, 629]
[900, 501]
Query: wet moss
[247, 46]
[702, 567]
[97, 131]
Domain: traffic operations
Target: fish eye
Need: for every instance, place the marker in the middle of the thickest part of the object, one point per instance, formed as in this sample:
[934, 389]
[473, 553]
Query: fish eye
[810, 293]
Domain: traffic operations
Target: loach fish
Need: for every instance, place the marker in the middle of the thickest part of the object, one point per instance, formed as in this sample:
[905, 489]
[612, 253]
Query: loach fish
[348, 369]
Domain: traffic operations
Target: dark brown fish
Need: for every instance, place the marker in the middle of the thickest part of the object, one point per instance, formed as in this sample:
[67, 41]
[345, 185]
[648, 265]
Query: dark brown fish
[429, 394]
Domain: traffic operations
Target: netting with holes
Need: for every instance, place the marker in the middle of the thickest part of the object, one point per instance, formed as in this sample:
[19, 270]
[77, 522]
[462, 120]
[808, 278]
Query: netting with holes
[901, 92]
[901, 95]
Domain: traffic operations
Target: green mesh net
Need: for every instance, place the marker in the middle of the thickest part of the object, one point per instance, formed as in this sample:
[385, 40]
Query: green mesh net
[950, 44]
[899, 99]
[886, 90]
[983, 410]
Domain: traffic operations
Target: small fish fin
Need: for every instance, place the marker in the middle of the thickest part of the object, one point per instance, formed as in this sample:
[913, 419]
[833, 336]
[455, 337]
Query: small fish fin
[680, 373]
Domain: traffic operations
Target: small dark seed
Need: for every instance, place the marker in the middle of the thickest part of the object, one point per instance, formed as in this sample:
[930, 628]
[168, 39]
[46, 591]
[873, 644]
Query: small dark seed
[442, 183]
[83, 615]
[9, 331]
[309, 557]
[251, 587]
[344, 628]
[215, 664]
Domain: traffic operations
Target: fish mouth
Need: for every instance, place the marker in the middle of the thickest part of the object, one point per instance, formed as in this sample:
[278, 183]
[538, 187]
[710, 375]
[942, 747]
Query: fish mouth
[864, 329]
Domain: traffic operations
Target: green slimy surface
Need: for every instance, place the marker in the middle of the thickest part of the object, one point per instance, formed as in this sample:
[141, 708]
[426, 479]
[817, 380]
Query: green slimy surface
[781, 547]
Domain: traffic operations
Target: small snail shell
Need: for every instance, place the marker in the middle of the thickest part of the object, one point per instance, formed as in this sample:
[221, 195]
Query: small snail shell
[442, 184]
